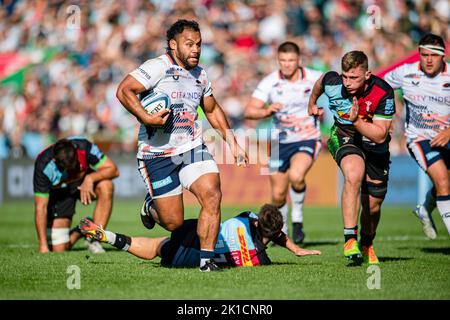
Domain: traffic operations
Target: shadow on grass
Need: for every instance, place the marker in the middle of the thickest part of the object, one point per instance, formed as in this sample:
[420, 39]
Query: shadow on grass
[317, 243]
[388, 259]
[381, 259]
[101, 262]
[282, 263]
[85, 249]
[445, 251]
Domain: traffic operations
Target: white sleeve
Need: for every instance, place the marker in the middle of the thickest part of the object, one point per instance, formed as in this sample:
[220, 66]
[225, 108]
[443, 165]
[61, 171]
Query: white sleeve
[149, 73]
[395, 77]
[207, 86]
[262, 90]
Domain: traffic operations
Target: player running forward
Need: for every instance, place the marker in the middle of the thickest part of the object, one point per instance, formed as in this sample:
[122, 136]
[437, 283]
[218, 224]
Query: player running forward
[285, 92]
[171, 153]
[71, 169]
[426, 91]
[363, 106]
[242, 241]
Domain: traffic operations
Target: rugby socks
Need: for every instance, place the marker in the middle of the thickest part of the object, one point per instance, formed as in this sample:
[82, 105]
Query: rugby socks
[205, 256]
[297, 198]
[366, 239]
[443, 205]
[351, 233]
[429, 204]
[118, 240]
[284, 212]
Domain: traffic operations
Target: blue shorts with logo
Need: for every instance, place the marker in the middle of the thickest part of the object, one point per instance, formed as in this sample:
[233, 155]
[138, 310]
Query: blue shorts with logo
[281, 162]
[162, 174]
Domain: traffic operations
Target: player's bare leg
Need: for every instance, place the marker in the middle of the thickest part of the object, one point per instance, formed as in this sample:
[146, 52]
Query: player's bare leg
[353, 169]
[141, 247]
[170, 211]
[299, 167]
[146, 248]
[207, 190]
[279, 183]
[104, 191]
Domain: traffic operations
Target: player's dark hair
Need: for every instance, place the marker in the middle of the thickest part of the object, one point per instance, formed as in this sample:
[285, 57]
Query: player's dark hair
[270, 221]
[432, 39]
[179, 26]
[65, 154]
[354, 59]
[288, 46]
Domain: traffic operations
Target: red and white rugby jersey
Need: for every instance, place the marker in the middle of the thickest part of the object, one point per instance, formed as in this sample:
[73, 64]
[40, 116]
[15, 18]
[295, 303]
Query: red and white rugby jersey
[182, 131]
[292, 123]
[427, 99]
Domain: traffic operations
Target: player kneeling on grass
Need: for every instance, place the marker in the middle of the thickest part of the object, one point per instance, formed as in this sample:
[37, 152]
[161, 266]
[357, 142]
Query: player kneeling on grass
[69, 170]
[242, 241]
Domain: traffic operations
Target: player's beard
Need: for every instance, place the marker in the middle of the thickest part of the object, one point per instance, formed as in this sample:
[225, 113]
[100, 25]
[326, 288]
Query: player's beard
[184, 60]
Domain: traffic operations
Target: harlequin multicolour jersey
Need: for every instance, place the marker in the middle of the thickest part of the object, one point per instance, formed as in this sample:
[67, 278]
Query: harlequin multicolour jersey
[47, 175]
[292, 123]
[239, 244]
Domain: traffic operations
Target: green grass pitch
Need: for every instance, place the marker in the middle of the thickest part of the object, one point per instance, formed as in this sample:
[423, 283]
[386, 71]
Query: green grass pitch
[412, 267]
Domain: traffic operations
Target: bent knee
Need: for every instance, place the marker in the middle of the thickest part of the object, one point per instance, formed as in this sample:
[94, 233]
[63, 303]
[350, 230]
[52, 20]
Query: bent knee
[211, 198]
[105, 187]
[279, 197]
[442, 186]
[172, 225]
[353, 180]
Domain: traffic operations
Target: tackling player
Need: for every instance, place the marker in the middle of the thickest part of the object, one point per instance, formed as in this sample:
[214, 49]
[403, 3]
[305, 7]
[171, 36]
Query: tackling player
[426, 91]
[241, 242]
[363, 107]
[171, 154]
[71, 169]
[285, 92]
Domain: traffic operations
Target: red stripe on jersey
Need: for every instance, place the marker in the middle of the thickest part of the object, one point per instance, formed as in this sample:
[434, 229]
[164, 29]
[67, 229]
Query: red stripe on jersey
[255, 260]
[81, 155]
[422, 154]
[170, 58]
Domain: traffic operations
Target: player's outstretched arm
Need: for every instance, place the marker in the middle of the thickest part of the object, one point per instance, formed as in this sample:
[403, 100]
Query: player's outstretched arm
[291, 246]
[216, 117]
[254, 110]
[127, 93]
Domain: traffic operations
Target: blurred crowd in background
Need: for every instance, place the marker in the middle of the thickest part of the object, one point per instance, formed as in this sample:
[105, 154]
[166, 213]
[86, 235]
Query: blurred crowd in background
[70, 59]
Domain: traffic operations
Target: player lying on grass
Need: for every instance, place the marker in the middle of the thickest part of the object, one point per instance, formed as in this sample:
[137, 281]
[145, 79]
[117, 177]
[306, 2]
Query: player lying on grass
[242, 241]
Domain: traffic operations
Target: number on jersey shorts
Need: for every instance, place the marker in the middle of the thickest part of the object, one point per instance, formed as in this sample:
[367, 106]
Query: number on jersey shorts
[425, 155]
[288, 150]
[165, 176]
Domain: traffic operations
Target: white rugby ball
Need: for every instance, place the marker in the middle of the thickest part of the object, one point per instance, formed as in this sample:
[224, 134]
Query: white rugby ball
[155, 102]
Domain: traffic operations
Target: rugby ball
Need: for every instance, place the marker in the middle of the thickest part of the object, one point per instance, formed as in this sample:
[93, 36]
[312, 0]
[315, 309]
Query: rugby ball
[155, 102]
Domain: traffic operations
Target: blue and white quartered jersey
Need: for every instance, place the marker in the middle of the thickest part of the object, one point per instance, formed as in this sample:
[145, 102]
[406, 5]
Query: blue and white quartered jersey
[427, 100]
[294, 97]
[186, 89]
